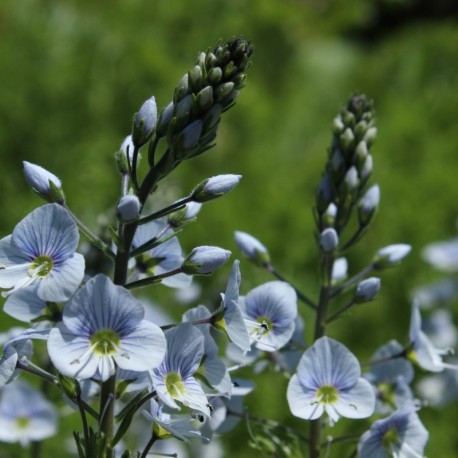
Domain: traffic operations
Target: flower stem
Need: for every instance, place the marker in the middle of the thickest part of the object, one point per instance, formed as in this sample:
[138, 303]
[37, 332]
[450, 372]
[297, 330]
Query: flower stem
[320, 329]
[107, 407]
[149, 445]
[150, 280]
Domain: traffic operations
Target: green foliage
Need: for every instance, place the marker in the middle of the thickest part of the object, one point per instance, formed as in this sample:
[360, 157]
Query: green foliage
[74, 73]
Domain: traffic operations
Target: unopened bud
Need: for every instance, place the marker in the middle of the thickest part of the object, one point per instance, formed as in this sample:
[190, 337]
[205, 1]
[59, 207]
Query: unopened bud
[43, 183]
[144, 122]
[367, 290]
[368, 205]
[184, 215]
[324, 194]
[252, 248]
[128, 208]
[215, 187]
[391, 255]
[329, 240]
[204, 260]
[370, 136]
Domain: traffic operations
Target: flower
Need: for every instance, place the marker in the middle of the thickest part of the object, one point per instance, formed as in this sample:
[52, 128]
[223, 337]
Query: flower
[400, 435]
[174, 379]
[25, 415]
[144, 122]
[102, 325]
[41, 250]
[228, 318]
[272, 308]
[442, 255]
[170, 424]
[212, 368]
[423, 350]
[328, 380]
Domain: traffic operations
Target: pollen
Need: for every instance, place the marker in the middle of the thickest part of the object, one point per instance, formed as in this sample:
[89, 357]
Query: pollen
[41, 266]
[327, 394]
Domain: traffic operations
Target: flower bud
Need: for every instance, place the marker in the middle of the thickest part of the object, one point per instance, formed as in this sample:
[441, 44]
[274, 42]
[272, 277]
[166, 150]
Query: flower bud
[204, 260]
[124, 155]
[43, 183]
[214, 187]
[347, 140]
[329, 240]
[391, 255]
[184, 215]
[252, 248]
[128, 208]
[339, 270]
[164, 119]
[323, 194]
[189, 138]
[144, 122]
[367, 290]
[370, 136]
[368, 205]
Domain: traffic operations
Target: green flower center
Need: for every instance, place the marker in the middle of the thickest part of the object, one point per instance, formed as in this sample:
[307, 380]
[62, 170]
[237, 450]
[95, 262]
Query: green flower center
[174, 384]
[390, 438]
[266, 325]
[22, 422]
[327, 394]
[41, 266]
[105, 341]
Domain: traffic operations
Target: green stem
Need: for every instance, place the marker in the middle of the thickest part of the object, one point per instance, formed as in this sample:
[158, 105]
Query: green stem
[320, 329]
[339, 312]
[151, 280]
[149, 445]
[352, 281]
[107, 407]
[165, 211]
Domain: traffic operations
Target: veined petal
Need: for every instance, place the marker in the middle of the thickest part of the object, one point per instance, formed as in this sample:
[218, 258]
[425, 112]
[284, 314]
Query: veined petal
[194, 397]
[185, 348]
[302, 402]
[24, 305]
[9, 254]
[356, 402]
[71, 355]
[47, 230]
[143, 349]
[8, 365]
[63, 280]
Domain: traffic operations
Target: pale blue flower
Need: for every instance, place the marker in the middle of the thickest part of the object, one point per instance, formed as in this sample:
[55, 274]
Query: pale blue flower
[212, 368]
[171, 424]
[229, 318]
[391, 255]
[165, 257]
[174, 380]
[400, 435]
[12, 353]
[328, 380]
[424, 352]
[439, 389]
[25, 305]
[103, 327]
[41, 251]
[442, 255]
[25, 415]
[270, 310]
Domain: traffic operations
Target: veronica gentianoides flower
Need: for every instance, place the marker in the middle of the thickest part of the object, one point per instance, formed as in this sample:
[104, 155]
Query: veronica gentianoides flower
[269, 311]
[103, 327]
[41, 251]
[328, 379]
[174, 380]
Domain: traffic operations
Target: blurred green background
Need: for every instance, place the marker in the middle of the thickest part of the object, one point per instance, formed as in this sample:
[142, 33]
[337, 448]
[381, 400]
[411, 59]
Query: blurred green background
[74, 72]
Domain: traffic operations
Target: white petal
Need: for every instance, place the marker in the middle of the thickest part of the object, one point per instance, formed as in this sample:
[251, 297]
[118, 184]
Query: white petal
[302, 402]
[357, 402]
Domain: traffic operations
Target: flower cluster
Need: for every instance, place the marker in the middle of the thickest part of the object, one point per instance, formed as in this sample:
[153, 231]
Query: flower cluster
[117, 361]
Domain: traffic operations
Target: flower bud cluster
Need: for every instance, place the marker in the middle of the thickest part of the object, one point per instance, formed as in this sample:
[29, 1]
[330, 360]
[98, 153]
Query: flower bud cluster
[190, 120]
[349, 165]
